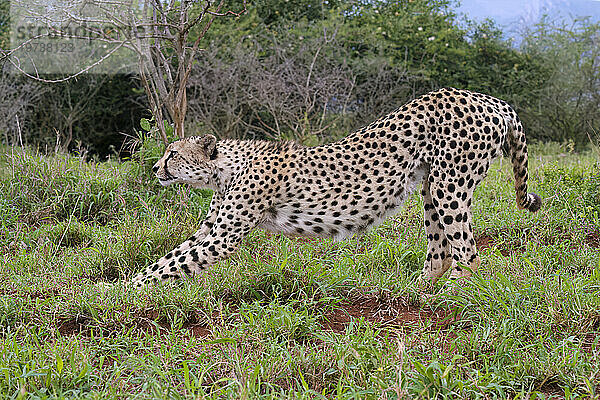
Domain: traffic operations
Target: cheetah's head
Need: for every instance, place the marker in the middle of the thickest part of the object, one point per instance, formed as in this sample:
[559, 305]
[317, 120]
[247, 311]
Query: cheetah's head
[190, 160]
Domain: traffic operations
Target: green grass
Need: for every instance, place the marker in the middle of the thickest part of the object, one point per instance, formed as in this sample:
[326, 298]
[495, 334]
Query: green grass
[286, 318]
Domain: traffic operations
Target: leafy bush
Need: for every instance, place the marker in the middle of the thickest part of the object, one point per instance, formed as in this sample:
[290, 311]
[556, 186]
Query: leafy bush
[95, 113]
[566, 107]
[298, 76]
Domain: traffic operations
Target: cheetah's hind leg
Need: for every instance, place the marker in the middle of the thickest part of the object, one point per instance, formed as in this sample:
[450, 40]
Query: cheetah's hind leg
[439, 256]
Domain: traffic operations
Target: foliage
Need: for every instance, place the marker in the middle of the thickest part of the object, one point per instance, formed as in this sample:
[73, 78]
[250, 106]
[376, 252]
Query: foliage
[94, 113]
[4, 25]
[18, 96]
[567, 106]
[272, 12]
[282, 86]
[389, 52]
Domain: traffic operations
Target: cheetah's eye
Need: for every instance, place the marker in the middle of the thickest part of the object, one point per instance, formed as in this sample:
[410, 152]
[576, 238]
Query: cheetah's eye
[170, 156]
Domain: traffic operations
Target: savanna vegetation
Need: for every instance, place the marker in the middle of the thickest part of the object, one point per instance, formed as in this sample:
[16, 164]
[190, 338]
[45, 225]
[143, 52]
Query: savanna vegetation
[301, 318]
[292, 318]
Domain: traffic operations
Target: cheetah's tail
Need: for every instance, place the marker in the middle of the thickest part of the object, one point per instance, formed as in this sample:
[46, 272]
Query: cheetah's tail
[518, 154]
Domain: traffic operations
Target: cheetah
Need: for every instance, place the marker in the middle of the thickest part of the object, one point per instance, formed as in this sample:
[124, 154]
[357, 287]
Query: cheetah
[445, 139]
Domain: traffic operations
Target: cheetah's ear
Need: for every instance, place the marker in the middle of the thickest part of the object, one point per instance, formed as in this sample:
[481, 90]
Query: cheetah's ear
[208, 144]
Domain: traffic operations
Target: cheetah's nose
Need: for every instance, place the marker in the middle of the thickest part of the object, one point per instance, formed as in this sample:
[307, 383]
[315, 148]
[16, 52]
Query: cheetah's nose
[155, 168]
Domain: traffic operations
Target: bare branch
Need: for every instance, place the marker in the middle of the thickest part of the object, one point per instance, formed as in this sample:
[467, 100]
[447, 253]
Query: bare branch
[81, 72]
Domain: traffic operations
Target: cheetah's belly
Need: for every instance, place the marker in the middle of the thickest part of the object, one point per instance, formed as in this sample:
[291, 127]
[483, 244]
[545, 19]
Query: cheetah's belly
[309, 218]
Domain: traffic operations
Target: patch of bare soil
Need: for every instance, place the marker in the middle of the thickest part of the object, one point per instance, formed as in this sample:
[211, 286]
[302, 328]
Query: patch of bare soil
[198, 330]
[73, 326]
[506, 247]
[44, 294]
[41, 294]
[151, 322]
[145, 321]
[196, 327]
[592, 238]
[109, 274]
[552, 391]
[395, 313]
[587, 343]
[38, 218]
[392, 312]
[487, 241]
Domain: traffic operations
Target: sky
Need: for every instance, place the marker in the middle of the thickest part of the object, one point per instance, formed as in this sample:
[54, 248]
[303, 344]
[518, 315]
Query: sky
[514, 14]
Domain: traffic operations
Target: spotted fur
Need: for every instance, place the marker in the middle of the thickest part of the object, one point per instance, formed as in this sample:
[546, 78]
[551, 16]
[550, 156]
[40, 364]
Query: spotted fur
[445, 139]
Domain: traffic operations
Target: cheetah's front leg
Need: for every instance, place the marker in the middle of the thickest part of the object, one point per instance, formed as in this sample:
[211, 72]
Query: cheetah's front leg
[197, 237]
[231, 225]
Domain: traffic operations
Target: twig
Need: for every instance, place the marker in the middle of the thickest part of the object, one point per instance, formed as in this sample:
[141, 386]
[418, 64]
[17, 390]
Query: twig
[83, 71]
[19, 131]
